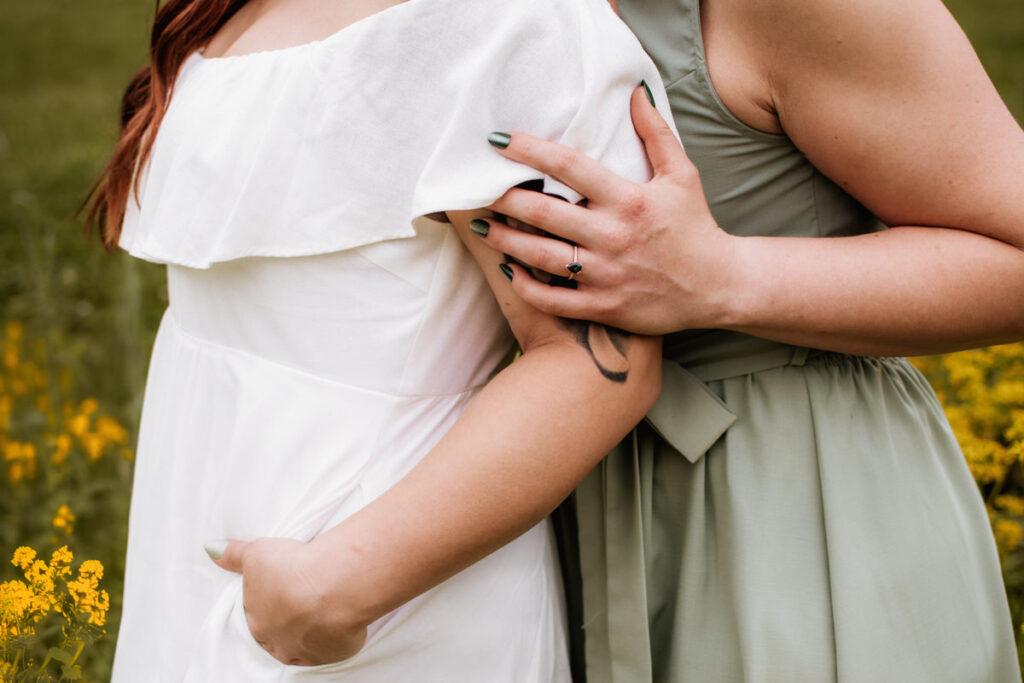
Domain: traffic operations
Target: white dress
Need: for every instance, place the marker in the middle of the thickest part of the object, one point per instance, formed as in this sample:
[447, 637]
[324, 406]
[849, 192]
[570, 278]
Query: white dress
[323, 333]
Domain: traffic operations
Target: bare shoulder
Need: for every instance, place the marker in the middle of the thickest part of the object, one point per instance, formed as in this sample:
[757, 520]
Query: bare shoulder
[889, 100]
[757, 49]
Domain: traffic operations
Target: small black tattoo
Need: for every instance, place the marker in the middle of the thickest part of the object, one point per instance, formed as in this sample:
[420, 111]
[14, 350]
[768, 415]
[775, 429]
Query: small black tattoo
[606, 346]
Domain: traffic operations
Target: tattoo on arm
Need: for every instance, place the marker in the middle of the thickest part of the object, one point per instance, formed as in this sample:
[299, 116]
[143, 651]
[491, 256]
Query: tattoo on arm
[606, 346]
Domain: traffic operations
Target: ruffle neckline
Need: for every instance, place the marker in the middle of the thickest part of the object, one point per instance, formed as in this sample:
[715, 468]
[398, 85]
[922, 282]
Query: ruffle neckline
[356, 138]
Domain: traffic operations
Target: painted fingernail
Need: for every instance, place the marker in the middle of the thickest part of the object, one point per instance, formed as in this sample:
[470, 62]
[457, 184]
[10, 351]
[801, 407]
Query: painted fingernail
[499, 139]
[480, 226]
[215, 549]
[647, 90]
[506, 270]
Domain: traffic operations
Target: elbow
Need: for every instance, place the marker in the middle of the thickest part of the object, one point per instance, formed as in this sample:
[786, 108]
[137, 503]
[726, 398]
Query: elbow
[644, 382]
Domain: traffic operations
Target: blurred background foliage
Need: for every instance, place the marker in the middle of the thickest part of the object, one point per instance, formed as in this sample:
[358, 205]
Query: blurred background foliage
[76, 324]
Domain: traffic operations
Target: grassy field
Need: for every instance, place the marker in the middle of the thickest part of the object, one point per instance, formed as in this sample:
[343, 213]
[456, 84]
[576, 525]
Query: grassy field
[93, 315]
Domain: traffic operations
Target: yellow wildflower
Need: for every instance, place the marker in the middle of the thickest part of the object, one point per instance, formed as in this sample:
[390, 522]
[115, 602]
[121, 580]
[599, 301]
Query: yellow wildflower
[1011, 505]
[16, 600]
[61, 450]
[15, 473]
[110, 429]
[84, 590]
[14, 330]
[1008, 533]
[78, 424]
[23, 557]
[61, 559]
[6, 407]
[89, 406]
[93, 445]
[64, 520]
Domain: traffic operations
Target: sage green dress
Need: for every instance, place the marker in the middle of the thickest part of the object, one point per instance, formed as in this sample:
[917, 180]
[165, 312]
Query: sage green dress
[784, 515]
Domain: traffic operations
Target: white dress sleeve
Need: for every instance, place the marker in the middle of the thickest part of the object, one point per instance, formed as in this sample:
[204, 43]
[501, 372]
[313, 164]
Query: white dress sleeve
[350, 140]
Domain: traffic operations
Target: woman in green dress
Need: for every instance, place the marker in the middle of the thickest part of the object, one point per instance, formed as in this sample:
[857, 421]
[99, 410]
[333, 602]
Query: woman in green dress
[796, 507]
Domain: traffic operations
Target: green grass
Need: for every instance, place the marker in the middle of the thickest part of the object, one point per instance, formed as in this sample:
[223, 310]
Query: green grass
[62, 68]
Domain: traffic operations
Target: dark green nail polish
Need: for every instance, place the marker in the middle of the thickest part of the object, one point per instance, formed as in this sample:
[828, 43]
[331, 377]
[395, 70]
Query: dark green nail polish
[647, 89]
[480, 226]
[506, 271]
[499, 139]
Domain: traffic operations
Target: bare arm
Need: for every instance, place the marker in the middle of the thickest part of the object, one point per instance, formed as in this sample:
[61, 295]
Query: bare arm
[891, 103]
[520, 447]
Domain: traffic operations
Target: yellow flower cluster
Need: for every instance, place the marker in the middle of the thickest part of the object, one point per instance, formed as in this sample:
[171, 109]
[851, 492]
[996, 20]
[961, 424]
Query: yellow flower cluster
[48, 588]
[94, 433]
[88, 598]
[64, 469]
[982, 392]
[64, 520]
[24, 389]
[21, 460]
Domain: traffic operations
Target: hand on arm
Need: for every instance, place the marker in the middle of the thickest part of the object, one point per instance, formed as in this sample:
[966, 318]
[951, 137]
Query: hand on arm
[519, 448]
[888, 101]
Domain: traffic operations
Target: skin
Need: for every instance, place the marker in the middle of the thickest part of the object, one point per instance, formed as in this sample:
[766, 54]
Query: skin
[890, 102]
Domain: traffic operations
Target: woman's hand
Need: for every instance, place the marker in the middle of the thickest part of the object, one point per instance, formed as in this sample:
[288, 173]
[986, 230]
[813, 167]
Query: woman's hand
[654, 260]
[286, 607]
[888, 101]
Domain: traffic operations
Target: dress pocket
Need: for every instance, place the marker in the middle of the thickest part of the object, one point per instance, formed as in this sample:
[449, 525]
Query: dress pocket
[276, 670]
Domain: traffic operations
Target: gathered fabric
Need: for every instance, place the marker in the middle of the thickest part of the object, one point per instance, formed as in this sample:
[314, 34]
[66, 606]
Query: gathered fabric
[343, 142]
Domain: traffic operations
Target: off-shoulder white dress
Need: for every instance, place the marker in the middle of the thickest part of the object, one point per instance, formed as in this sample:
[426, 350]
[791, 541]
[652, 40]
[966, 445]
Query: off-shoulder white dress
[323, 333]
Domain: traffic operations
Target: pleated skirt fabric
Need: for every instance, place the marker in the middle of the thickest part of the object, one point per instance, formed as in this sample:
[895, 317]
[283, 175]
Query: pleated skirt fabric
[834, 533]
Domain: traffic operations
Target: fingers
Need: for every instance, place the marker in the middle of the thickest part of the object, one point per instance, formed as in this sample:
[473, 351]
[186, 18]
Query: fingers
[663, 148]
[227, 554]
[577, 170]
[560, 301]
[544, 253]
[548, 213]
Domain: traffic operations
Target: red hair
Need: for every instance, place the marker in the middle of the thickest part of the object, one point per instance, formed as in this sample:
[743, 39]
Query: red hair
[180, 28]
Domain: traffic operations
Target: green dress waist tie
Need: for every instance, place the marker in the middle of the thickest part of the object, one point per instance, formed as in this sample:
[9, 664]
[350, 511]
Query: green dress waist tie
[611, 533]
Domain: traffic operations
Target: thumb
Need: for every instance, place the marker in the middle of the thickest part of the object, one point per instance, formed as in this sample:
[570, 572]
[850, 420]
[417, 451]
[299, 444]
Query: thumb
[663, 148]
[227, 554]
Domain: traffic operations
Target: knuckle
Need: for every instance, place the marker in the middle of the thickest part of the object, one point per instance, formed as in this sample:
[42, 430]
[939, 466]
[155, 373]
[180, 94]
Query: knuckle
[536, 210]
[687, 175]
[563, 160]
[633, 202]
[554, 259]
[615, 276]
[603, 306]
[544, 305]
[665, 135]
[619, 238]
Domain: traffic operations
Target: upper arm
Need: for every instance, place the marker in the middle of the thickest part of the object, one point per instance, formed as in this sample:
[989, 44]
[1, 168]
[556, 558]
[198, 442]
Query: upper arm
[890, 101]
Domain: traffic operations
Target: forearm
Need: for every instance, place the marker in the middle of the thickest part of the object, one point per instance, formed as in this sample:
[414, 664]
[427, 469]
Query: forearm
[903, 291]
[520, 447]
